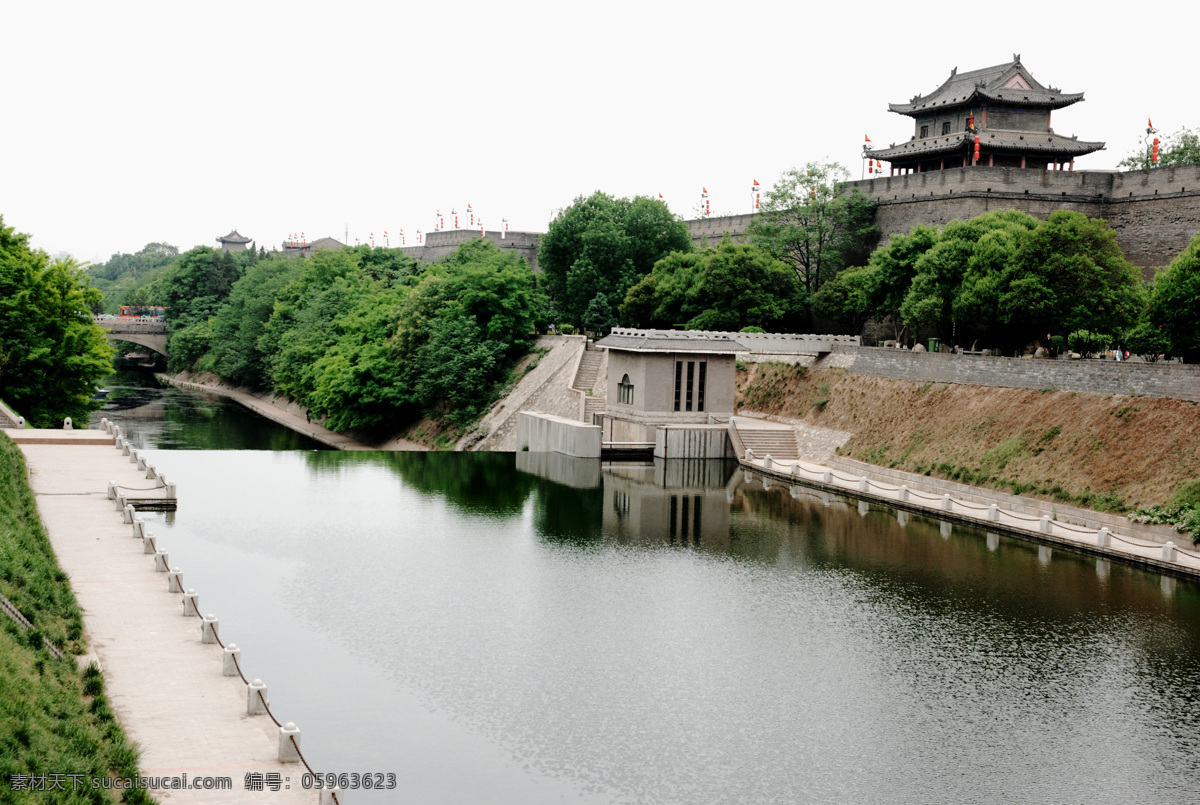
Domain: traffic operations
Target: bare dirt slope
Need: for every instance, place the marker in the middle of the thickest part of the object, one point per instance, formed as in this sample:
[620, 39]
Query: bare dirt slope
[1098, 451]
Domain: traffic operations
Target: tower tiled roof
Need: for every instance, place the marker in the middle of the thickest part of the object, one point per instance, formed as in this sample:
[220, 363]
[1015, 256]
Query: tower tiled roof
[1010, 84]
[234, 237]
[1029, 142]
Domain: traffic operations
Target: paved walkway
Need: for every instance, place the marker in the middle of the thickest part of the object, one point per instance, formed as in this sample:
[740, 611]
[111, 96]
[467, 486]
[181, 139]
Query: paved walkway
[164, 684]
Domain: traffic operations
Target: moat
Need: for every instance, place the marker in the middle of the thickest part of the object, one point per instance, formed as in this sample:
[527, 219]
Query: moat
[509, 628]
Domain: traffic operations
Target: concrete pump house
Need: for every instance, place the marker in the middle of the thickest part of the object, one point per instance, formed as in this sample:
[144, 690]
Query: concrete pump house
[666, 377]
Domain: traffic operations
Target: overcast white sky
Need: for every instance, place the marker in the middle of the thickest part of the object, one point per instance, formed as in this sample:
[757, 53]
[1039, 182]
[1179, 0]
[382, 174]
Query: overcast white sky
[126, 123]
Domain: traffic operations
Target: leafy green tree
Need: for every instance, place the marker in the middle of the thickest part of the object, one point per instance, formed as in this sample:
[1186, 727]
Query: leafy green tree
[238, 326]
[975, 248]
[599, 318]
[1175, 305]
[1069, 274]
[810, 223]
[1148, 340]
[727, 288]
[885, 281]
[1180, 148]
[843, 300]
[52, 354]
[307, 320]
[604, 245]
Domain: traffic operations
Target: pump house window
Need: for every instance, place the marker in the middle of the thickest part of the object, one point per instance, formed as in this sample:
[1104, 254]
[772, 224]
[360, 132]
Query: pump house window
[625, 391]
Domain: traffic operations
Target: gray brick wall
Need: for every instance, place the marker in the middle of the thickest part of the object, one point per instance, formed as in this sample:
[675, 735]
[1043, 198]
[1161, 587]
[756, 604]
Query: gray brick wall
[1174, 380]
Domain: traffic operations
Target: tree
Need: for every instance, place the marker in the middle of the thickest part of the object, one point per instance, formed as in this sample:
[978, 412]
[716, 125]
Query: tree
[885, 281]
[727, 288]
[599, 318]
[604, 245]
[1069, 274]
[941, 294]
[52, 354]
[1180, 148]
[1175, 303]
[238, 326]
[810, 223]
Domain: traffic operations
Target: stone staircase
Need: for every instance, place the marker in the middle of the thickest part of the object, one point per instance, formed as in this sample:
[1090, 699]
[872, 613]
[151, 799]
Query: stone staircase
[778, 441]
[585, 381]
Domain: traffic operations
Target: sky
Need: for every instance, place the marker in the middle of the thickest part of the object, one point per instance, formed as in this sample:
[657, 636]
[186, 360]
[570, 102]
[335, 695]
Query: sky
[129, 123]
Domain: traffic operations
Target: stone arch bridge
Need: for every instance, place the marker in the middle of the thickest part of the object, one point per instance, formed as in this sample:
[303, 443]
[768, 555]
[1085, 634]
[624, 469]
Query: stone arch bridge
[143, 332]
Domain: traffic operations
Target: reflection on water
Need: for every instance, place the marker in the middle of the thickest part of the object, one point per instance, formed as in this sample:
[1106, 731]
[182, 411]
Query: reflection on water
[530, 628]
[173, 419]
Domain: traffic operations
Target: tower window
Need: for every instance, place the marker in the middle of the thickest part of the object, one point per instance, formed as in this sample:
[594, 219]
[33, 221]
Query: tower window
[924, 132]
[946, 127]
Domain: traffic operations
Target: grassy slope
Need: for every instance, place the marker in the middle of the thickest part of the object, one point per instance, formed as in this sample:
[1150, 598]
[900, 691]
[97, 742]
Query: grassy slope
[1093, 450]
[53, 718]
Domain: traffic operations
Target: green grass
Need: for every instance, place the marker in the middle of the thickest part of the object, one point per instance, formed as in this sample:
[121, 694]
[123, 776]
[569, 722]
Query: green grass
[54, 718]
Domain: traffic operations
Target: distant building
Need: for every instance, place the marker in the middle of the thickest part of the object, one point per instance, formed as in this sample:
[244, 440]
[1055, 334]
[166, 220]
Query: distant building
[1003, 108]
[295, 248]
[233, 242]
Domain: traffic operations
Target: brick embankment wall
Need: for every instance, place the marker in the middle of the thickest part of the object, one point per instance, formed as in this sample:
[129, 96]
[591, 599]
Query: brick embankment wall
[1172, 380]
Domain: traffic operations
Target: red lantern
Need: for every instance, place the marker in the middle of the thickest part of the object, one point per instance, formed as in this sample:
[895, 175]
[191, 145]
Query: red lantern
[1154, 151]
[976, 149]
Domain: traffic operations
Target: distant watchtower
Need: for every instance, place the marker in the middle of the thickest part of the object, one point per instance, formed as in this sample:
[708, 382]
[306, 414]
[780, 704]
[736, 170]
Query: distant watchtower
[233, 242]
[998, 117]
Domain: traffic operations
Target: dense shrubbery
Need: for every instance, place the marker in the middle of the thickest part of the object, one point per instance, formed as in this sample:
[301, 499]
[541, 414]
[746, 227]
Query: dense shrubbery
[365, 338]
[1004, 276]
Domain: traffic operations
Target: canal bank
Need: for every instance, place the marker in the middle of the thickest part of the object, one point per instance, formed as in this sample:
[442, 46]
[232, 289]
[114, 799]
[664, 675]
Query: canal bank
[165, 684]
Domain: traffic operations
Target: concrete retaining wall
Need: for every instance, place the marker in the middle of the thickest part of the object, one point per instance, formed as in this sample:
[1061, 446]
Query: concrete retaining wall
[692, 441]
[546, 433]
[1173, 380]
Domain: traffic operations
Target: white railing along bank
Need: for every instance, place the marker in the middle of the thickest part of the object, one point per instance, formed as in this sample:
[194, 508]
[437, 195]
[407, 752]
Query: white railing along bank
[1098, 541]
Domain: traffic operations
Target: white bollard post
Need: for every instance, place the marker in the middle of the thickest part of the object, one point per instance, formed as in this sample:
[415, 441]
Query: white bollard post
[112, 490]
[120, 501]
[160, 560]
[993, 513]
[20, 422]
[208, 629]
[327, 796]
[1168, 552]
[256, 698]
[795, 469]
[141, 463]
[229, 664]
[191, 604]
[827, 477]
[175, 581]
[133, 456]
[151, 472]
[139, 527]
[289, 743]
[130, 513]
[67, 424]
[767, 461]
[1044, 524]
[125, 448]
[1103, 537]
[104, 424]
[749, 454]
[170, 493]
[946, 503]
[863, 485]
[902, 493]
[149, 543]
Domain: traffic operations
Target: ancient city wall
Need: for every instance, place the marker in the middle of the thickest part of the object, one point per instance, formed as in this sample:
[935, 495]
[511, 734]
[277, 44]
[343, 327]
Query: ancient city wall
[439, 244]
[1173, 380]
